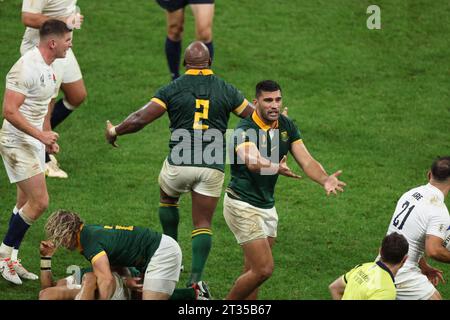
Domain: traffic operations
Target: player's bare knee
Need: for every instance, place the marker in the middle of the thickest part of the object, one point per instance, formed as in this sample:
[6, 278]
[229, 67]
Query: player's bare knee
[175, 31]
[204, 35]
[43, 294]
[264, 272]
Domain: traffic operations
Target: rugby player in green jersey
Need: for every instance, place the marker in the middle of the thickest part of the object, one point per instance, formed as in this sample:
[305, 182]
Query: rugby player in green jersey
[199, 105]
[156, 256]
[260, 145]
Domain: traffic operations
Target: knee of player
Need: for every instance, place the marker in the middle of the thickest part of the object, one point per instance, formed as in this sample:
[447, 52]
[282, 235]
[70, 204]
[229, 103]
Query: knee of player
[264, 272]
[44, 294]
[175, 31]
[204, 34]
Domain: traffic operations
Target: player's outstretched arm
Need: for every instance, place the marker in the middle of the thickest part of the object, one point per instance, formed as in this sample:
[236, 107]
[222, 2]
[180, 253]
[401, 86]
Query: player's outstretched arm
[134, 122]
[315, 171]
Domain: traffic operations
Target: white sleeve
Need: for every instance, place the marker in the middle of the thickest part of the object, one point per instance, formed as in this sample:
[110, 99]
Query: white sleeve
[33, 6]
[438, 224]
[19, 79]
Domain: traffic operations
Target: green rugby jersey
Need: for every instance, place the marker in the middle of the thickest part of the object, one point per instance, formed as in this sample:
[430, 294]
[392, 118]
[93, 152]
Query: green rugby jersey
[128, 246]
[199, 105]
[252, 187]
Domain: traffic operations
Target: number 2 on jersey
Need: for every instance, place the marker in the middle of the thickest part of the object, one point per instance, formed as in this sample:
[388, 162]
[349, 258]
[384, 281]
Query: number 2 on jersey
[397, 217]
[200, 115]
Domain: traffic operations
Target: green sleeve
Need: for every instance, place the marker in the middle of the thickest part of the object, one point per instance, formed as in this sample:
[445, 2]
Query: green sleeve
[162, 94]
[234, 97]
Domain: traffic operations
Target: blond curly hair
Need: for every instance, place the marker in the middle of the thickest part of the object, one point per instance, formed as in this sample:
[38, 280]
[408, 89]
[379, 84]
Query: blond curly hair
[61, 228]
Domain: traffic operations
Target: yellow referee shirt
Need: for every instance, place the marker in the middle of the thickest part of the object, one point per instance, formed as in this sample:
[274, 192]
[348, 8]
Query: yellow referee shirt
[369, 281]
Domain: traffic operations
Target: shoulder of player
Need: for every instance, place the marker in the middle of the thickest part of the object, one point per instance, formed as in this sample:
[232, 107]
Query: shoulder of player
[284, 121]
[246, 123]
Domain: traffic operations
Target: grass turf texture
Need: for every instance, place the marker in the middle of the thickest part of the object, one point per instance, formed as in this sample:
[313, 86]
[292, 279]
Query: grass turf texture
[374, 103]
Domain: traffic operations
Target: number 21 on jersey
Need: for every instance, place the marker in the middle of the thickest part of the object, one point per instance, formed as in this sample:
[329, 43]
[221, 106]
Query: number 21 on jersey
[396, 221]
[201, 113]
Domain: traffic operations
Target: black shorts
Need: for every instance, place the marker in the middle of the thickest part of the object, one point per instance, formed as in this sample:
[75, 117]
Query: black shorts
[173, 5]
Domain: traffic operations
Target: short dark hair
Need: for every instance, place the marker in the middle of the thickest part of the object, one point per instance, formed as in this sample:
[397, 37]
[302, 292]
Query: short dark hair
[440, 169]
[394, 248]
[53, 27]
[267, 86]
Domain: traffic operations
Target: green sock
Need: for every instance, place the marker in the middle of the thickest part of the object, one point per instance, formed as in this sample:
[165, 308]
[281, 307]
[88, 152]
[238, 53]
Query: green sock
[183, 294]
[169, 216]
[201, 245]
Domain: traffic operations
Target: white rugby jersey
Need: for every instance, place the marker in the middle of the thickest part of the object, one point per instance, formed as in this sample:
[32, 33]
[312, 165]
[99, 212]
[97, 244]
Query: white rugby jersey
[36, 80]
[420, 212]
[50, 8]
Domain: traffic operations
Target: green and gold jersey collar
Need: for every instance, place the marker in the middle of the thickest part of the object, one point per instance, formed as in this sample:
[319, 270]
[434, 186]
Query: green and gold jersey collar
[261, 123]
[199, 72]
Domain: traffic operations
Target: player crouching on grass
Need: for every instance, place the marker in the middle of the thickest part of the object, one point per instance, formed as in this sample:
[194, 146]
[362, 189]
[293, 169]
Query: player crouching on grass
[156, 256]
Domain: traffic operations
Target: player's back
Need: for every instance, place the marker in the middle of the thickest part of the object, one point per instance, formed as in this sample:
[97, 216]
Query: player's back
[199, 105]
[419, 212]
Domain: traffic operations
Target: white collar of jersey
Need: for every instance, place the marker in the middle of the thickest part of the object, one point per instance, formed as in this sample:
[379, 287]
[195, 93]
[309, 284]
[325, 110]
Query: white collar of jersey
[436, 191]
[38, 54]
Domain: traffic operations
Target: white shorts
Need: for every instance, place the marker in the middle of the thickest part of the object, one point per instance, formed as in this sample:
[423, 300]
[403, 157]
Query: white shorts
[412, 284]
[163, 270]
[120, 292]
[22, 160]
[248, 222]
[176, 180]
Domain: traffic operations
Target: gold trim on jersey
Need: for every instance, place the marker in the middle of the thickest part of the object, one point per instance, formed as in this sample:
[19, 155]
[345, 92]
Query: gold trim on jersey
[169, 204]
[297, 141]
[160, 102]
[199, 72]
[97, 256]
[261, 123]
[237, 111]
[197, 232]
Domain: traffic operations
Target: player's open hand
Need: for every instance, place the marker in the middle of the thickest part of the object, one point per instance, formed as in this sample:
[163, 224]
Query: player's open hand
[110, 134]
[284, 170]
[333, 184]
[47, 248]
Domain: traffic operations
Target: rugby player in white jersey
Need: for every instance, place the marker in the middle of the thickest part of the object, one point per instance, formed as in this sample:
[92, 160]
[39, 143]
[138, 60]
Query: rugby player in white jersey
[26, 135]
[69, 77]
[423, 218]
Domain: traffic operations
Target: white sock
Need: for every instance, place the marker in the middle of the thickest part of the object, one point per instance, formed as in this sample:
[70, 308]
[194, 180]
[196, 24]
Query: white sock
[5, 251]
[14, 254]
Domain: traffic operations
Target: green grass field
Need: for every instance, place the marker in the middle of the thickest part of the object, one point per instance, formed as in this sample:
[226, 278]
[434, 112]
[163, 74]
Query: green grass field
[374, 103]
